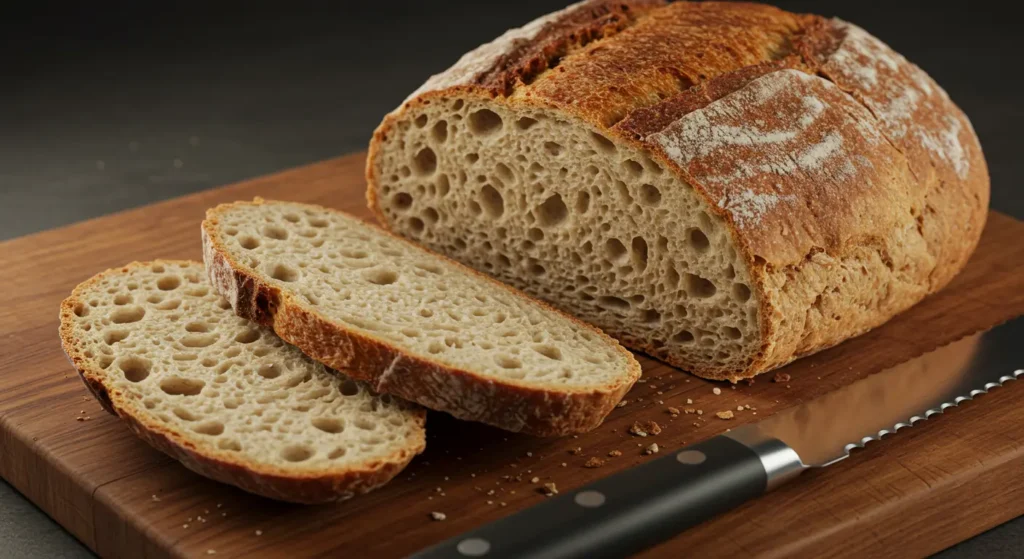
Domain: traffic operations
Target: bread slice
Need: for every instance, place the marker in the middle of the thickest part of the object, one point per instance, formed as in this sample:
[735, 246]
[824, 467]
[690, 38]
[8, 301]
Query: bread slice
[228, 399]
[413, 323]
[725, 186]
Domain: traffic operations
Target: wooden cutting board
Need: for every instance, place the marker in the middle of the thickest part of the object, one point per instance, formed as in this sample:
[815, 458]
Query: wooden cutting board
[926, 489]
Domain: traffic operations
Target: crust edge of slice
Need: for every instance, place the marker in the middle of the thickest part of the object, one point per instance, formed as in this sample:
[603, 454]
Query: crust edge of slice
[511, 406]
[314, 487]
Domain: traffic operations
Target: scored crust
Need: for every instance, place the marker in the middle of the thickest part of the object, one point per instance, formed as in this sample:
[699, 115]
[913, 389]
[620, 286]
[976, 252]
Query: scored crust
[309, 487]
[885, 207]
[514, 406]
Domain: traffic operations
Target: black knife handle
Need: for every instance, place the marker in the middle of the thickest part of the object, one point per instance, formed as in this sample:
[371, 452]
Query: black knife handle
[622, 514]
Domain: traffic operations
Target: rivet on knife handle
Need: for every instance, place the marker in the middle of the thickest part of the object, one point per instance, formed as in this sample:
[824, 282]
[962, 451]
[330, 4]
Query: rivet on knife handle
[630, 511]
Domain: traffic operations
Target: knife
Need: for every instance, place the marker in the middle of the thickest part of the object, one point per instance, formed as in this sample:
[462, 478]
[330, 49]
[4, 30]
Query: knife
[633, 510]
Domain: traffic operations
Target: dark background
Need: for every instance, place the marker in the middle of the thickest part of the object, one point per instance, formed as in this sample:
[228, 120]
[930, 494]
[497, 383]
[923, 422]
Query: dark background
[104, 108]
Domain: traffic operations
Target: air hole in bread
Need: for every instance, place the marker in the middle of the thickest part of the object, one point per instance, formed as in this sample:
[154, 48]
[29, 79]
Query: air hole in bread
[431, 215]
[337, 453]
[552, 212]
[269, 370]
[197, 327]
[364, 423]
[508, 362]
[297, 453]
[285, 273]
[168, 283]
[525, 122]
[105, 361]
[186, 357]
[380, 276]
[650, 316]
[111, 337]
[420, 121]
[699, 287]
[123, 299]
[435, 347]
[349, 388]
[633, 168]
[549, 351]
[439, 132]
[485, 122]
[698, 240]
[491, 201]
[134, 368]
[614, 250]
[127, 315]
[184, 414]
[179, 386]
[401, 201]
[603, 144]
[247, 336]
[425, 162]
[154, 298]
[416, 225]
[275, 232]
[650, 195]
[81, 310]
[169, 305]
[554, 149]
[612, 302]
[732, 333]
[682, 337]
[248, 242]
[157, 268]
[331, 425]
[291, 218]
[639, 246]
[536, 269]
[443, 185]
[229, 444]
[318, 222]
[199, 340]
[741, 292]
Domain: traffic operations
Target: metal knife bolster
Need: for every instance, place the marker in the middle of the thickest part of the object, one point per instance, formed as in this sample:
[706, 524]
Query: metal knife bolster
[780, 462]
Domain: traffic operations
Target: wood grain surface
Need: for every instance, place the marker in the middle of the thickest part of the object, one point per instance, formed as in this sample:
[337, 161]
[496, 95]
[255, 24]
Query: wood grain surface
[910, 495]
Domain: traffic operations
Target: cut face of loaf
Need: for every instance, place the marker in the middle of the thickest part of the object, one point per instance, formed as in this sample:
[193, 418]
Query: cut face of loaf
[726, 214]
[415, 324]
[230, 400]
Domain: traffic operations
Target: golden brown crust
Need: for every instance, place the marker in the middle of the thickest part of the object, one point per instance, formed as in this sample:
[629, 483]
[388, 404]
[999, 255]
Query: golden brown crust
[312, 487]
[898, 188]
[554, 411]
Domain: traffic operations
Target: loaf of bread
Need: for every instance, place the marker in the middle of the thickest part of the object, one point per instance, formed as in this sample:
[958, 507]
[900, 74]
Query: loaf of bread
[724, 186]
[413, 323]
[230, 400]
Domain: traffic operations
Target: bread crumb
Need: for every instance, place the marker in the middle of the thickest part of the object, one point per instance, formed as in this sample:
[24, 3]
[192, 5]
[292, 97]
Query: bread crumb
[622, 404]
[700, 412]
[739, 408]
[689, 411]
[727, 414]
[211, 551]
[642, 381]
[615, 454]
[535, 479]
[637, 430]
[185, 526]
[259, 532]
[155, 498]
[593, 462]
[564, 464]
[438, 516]
[661, 402]
[653, 427]
[219, 505]
[689, 401]
[652, 449]
[490, 502]
[716, 391]
[781, 377]
[673, 411]
[549, 489]
[576, 451]
[503, 504]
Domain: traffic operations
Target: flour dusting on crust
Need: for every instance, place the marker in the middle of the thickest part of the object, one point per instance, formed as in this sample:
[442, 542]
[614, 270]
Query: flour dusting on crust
[911, 108]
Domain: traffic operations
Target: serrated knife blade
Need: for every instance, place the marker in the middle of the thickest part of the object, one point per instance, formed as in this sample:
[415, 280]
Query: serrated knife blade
[632, 510]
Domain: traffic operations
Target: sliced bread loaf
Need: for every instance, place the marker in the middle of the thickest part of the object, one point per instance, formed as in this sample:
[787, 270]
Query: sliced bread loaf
[413, 323]
[161, 350]
[724, 185]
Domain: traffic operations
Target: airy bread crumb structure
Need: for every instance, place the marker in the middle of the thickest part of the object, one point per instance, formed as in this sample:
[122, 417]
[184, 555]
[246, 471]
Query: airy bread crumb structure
[414, 323]
[160, 349]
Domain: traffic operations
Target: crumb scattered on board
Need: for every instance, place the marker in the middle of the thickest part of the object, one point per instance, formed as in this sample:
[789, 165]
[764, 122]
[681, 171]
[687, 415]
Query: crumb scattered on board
[593, 462]
[727, 414]
[438, 516]
[716, 391]
[652, 449]
[615, 453]
[781, 377]
[549, 489]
